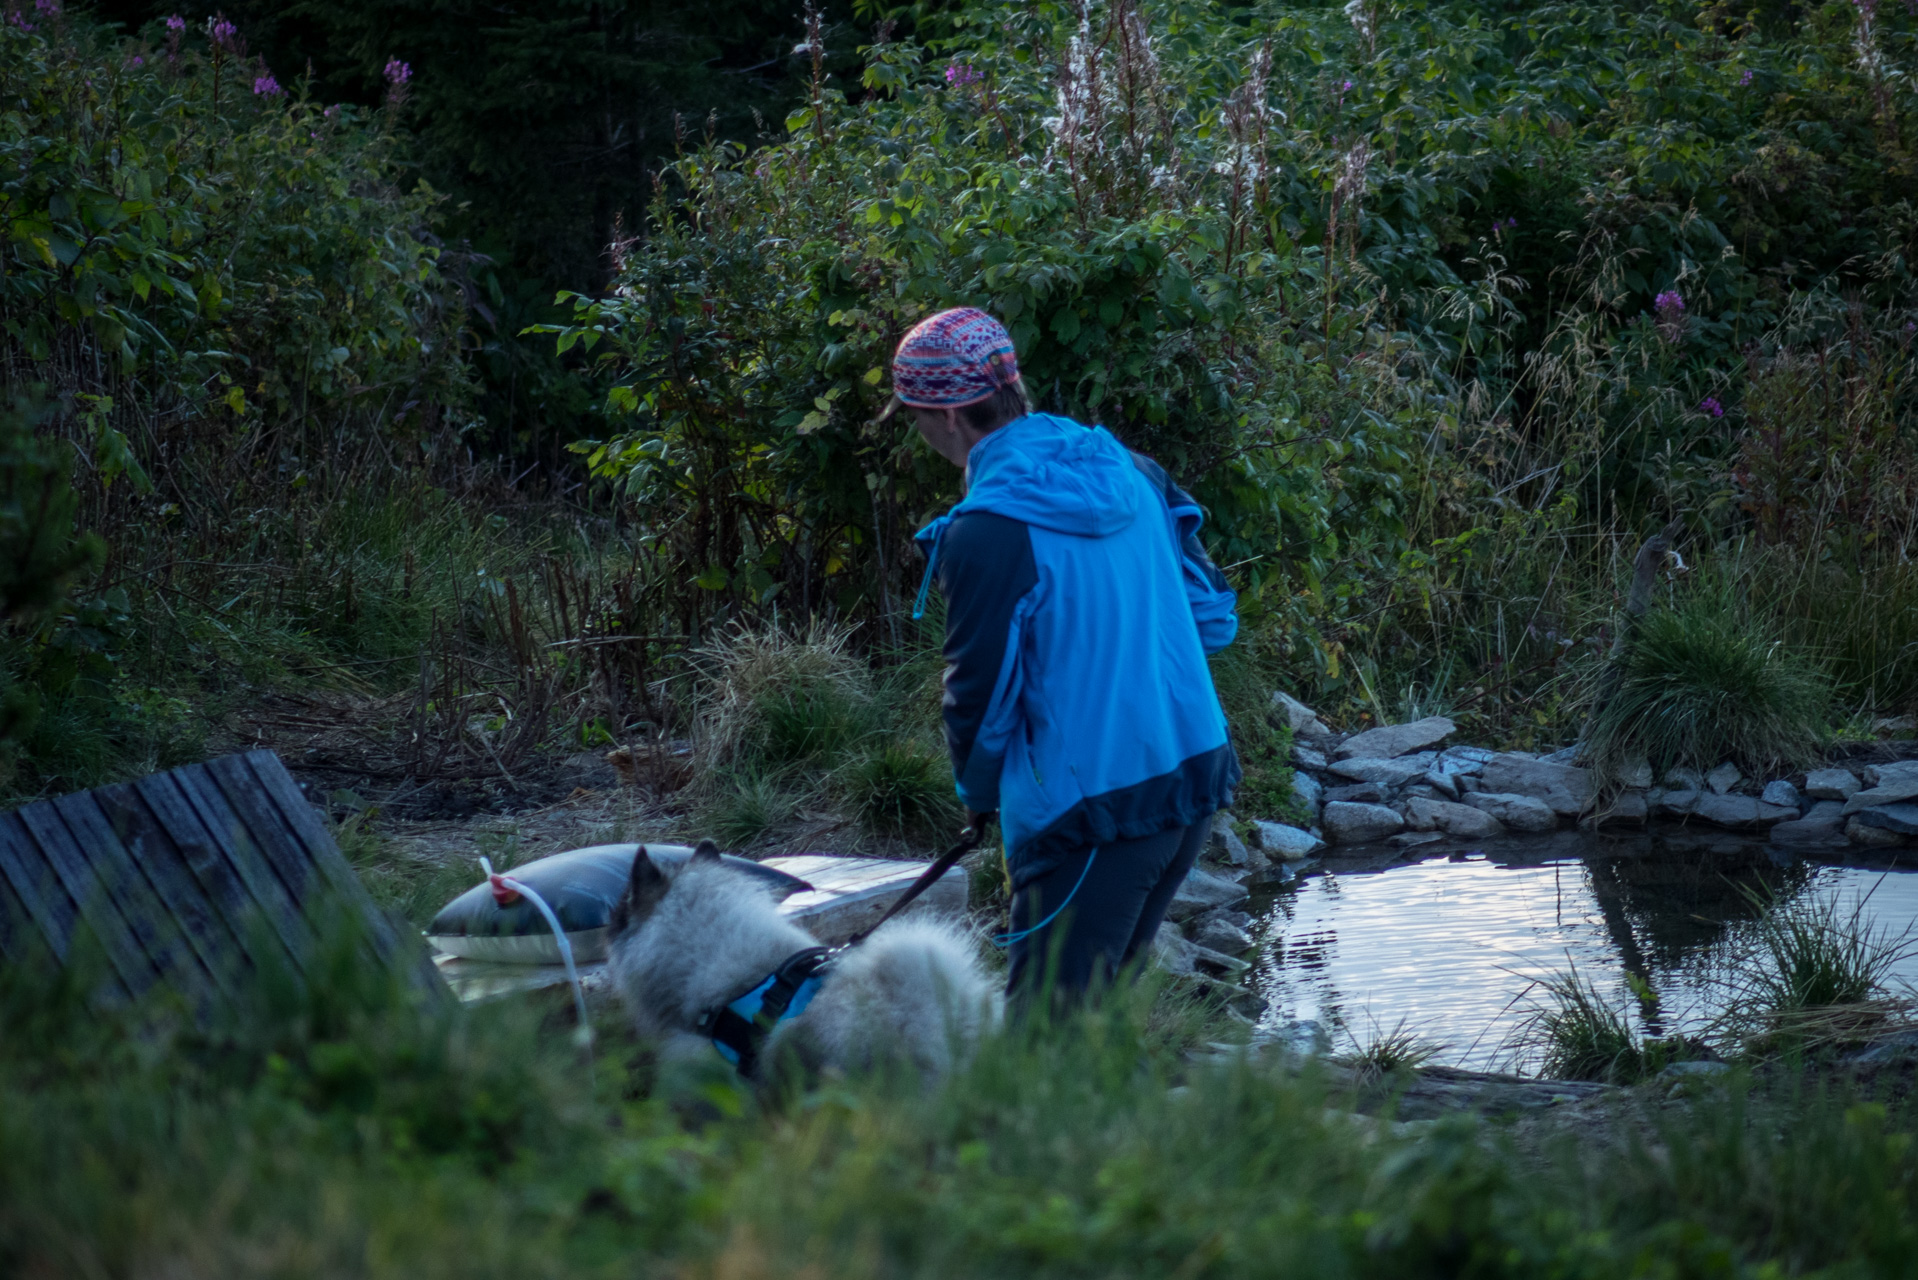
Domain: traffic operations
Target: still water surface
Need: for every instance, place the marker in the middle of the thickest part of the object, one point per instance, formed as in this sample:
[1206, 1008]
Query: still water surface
[1450, 944]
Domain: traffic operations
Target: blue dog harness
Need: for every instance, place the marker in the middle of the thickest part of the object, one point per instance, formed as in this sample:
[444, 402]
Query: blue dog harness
[740, 1026]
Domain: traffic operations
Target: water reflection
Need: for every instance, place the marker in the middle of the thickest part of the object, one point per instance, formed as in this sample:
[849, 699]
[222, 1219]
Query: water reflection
[1451, 943]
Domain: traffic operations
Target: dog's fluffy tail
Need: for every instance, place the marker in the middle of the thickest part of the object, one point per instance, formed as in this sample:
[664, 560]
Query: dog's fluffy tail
[914, 991]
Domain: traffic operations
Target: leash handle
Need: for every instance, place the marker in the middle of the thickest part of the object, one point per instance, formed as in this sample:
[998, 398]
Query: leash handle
[968, 841]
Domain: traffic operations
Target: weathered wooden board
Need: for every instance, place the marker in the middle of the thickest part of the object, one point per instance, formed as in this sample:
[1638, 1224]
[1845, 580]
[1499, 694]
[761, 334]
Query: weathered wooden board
[848, 894]
[183, 878]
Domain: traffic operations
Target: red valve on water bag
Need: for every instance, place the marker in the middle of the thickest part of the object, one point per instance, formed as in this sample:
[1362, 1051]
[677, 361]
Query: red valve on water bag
[504, 894]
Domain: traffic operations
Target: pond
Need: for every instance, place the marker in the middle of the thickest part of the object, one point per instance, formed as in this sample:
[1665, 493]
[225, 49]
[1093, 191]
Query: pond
[1450, 945]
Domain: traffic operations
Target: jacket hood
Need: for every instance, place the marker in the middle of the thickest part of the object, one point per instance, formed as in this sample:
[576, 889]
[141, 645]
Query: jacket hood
[1054, 473]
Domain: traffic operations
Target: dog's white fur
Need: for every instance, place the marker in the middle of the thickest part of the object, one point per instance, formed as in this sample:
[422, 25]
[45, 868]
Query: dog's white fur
[913, 992]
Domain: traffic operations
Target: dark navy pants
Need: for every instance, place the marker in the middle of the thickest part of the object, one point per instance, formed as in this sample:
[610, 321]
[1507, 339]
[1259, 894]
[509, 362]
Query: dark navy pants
[1113, 917]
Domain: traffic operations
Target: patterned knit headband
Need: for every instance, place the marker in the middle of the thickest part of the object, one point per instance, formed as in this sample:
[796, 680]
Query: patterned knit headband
[955, 358]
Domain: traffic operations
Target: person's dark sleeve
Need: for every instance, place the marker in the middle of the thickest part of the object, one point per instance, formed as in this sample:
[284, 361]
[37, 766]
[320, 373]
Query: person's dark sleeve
[1215, 605]
[985, 568]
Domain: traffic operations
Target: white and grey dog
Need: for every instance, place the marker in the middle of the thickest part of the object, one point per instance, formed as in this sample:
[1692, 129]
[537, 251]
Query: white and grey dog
[685, 941]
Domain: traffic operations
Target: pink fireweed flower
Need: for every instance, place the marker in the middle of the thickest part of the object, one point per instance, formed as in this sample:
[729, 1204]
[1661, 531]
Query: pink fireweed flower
[266, 86]
[176, 23]
[1745, 79]
[960, 74]
[1670, 308]
[221, 32]
[397, 72]
[51, 8]
[1710, 407]
[136, 61]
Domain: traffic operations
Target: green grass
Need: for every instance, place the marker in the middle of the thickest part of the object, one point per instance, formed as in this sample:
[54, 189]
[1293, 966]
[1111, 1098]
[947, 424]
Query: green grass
[1576, 1034]
[899, 786]
[741, 808]
[1386, 1053]
[1704, 682]
[343, 1128]
[1820, 976]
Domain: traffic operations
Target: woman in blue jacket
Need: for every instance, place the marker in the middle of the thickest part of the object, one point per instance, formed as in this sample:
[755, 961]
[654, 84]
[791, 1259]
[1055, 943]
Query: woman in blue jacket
[1080, 608]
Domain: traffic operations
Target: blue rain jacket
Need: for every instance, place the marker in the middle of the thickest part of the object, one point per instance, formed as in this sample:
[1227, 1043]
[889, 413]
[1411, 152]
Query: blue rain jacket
[1080, 607]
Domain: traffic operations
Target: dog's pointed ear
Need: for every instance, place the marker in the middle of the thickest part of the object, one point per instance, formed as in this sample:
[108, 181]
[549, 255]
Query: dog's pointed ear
[706, 851]
[644, 888]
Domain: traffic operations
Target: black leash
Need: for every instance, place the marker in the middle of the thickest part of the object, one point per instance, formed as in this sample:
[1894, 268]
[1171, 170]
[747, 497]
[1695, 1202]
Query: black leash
[968, 841]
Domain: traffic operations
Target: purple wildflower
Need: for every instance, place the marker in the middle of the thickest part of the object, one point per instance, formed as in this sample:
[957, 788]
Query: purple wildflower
[1670, 306]
[331, 111]
[1711, 408]
[397, 73]
[221, 32]
[137, 61]
[1745, 79]
[51, 8]
[1346, 87]
[266, 86]
[19, 20]
[960, 74]
[176, 23]
[1866, 8]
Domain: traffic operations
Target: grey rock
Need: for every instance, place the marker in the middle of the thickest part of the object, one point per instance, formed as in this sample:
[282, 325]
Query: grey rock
[1175, 954]
[1224, 845]
[1822, 826]
[1287, 844]
[1683, 779]
[1565, 755]
[1780, 792]
[1465, 760]
[1902, 818]
[1893, 1048]
[1302, 720]
[1391, 773]
[1831, 784]
[1896, 771]
[1360, 823]
[1741, 813]
[1419, 791]
[1356, 793]
[1565, 789]
[1307, 758]
[1636, 773]
[1391, 740]
[1299, 1037]
[1221, 936]
[1413, 839]
[1675, 803]
[1870, 837]
[1627, 808]
[1695, 1069]
[1468, 783]
[1520, 813]
[1893, 792]
[1308, 791]
[1203, 891]
[1464, 821]
[1724, 778]
[1446, 784]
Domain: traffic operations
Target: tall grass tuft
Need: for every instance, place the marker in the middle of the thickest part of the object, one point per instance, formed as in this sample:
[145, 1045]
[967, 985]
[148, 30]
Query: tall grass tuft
[1578, 1035]
[1819, 974]
[777, 697]
[900, 787]
[1701, 684]
[741, 808]
[1388, 1053]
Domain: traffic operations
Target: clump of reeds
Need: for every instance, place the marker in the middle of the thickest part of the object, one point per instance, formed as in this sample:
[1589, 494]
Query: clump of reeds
[780, 697]
[1700, 684]
[1388, 1053]
[1578, 1035]
[1819, 976]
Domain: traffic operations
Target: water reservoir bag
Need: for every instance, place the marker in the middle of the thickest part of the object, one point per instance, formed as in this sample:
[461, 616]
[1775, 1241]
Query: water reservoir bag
[581, 886]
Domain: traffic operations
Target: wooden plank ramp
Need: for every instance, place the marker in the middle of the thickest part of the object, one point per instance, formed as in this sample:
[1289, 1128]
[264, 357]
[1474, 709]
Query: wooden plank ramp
[189, 878]
[848, 894]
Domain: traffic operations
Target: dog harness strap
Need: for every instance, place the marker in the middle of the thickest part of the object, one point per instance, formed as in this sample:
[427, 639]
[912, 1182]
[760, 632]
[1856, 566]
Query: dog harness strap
[738, 1027]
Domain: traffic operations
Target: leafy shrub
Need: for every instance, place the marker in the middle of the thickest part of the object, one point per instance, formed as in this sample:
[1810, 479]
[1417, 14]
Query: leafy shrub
[1700, 684]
